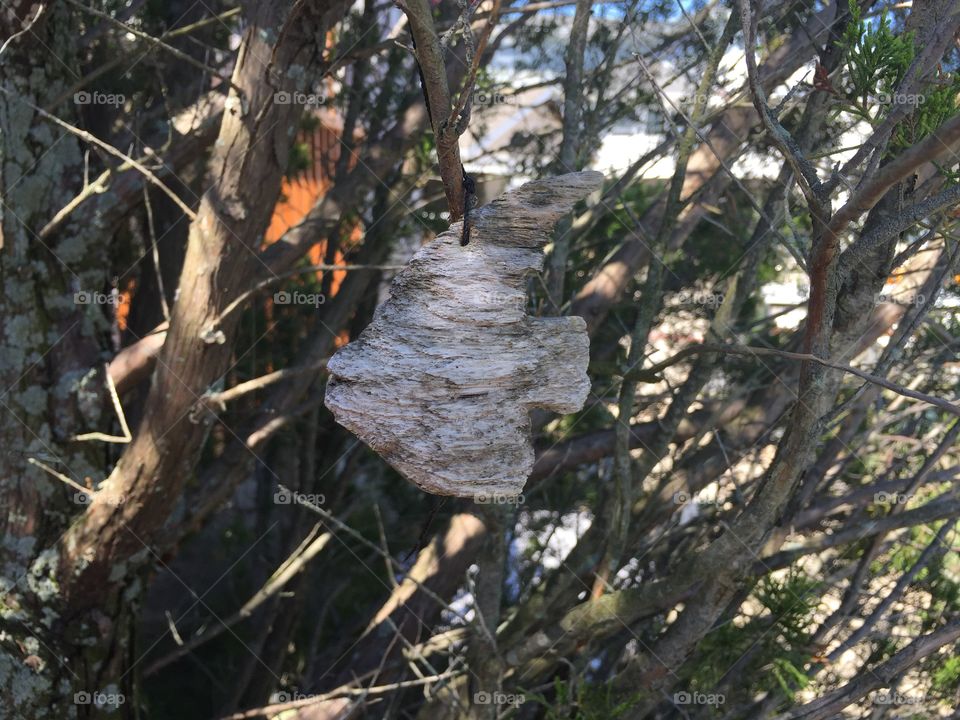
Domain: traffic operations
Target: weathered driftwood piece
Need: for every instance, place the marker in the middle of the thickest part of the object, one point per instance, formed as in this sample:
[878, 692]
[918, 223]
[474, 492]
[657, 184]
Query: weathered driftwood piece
[442, 381]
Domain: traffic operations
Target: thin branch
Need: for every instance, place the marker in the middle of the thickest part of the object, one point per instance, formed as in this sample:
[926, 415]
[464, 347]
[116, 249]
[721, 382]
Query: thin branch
[935, 547]
[94, 140]
[300, 500]
[931, 49]
[940, 509]
[457, 118]
[572, 137]
[118, 409]
[277, 708]
[802, 167]
[901, 222]
[114, 62]
[221, 398]
[24, 30]
[650, 374]
[886, 674]
[96, 187]
[386, 550]
[307, 550]
[717, 153]
[429, 56]
[291, 273]
[927, 150]
[58, 475]
[156, 42]
[155, 254]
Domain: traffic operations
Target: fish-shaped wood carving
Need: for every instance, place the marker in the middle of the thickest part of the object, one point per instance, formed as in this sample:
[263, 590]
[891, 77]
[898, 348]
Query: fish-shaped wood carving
[442, 381]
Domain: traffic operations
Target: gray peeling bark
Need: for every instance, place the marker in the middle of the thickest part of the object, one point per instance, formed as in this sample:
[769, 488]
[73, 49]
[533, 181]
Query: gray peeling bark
[278, 52]
[46, 393]
[455, 350]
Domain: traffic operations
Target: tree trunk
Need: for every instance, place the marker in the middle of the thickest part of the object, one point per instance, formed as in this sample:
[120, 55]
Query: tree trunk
[74, 565]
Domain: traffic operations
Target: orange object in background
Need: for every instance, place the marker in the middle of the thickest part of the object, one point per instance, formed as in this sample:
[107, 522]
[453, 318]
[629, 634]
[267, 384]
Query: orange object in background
[123, 307]
[297, 196]
[300, 194]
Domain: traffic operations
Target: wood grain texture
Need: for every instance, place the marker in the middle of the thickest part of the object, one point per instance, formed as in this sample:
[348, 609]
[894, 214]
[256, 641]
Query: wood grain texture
[442, 381]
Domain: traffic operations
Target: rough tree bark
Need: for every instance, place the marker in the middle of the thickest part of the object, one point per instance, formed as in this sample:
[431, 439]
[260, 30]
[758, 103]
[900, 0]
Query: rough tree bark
[442, 381]
[48, 345]
[68, 600]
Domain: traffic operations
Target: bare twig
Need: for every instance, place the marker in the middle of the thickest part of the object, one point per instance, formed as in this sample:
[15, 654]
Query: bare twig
[329, 517]
[570, 143]
[24, 30]
[97, 186]
[94, 140]
[105, 67]
[155, 41]
[934, 547]
[274, 278]
[803, 169]
[298, 559]
[458, 117]
[886, 674]
[240, 389]
[58, 475]
[344, 692]
[118, 409]
[433, 72]
[940, 509]
[650, 374]
[937, 143]
[155, 254]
